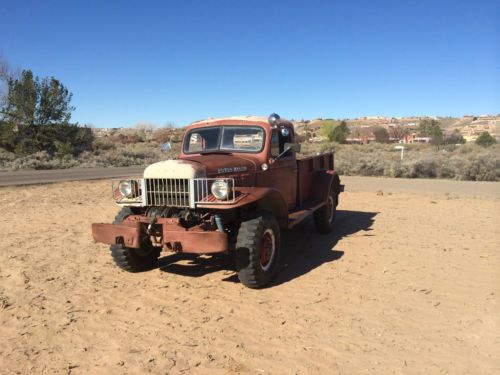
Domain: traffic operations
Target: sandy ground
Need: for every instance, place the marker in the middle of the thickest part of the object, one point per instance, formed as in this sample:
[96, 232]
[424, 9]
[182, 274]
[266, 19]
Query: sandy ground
[408, 283]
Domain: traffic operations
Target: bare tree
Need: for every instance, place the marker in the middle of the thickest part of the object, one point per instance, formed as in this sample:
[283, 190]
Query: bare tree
[356, 132]
[381, 134]
[145, 130]
[398, 132]
[4, 77]
[169, 124]
[145, 126]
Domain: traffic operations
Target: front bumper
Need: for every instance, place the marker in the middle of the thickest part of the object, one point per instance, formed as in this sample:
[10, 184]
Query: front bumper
[130, 233]
[126, 234]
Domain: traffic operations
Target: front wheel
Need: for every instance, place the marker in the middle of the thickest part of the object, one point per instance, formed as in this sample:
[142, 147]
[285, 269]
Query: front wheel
[133, 260]
[258, 250]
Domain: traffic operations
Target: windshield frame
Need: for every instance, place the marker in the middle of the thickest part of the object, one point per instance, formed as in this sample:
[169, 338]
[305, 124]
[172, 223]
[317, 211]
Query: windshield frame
[185, 146]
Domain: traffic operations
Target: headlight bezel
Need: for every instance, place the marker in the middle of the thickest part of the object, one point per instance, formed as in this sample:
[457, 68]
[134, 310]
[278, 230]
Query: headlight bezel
[128, 189]
[220, 189]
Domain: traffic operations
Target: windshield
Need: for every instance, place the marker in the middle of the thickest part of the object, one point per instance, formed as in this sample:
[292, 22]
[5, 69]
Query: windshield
[225, 138]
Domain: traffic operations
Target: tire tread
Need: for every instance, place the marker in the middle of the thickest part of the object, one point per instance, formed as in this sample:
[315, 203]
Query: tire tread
[125, 257]
[247, 250]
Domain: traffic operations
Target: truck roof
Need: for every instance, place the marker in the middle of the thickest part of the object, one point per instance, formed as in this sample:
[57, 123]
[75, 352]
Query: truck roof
[235, 120]
[256, 119]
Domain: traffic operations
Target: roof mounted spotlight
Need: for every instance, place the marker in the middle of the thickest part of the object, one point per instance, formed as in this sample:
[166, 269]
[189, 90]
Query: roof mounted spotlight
[273, 119]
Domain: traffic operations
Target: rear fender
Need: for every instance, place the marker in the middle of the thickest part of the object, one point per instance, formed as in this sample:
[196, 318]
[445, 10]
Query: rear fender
[323, 181]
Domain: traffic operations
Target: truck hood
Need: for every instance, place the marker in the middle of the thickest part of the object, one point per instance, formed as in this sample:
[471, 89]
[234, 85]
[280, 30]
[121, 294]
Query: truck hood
[217, 164]
[175, 169]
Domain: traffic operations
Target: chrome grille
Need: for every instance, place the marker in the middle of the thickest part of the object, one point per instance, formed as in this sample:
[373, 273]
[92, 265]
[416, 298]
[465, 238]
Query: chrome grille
[172, 192]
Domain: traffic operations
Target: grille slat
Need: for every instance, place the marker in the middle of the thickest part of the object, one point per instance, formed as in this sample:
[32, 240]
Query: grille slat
[175, 192]
[167, 192]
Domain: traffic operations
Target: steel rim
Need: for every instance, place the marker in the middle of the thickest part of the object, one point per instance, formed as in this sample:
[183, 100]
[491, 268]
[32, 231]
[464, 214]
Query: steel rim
[331, 208]
[267, 248]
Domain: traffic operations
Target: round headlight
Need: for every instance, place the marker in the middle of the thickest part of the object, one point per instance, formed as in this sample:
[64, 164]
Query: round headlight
[126, 188]
[220, 189]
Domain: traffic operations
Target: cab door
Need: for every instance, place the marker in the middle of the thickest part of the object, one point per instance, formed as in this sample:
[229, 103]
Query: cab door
[283, 169]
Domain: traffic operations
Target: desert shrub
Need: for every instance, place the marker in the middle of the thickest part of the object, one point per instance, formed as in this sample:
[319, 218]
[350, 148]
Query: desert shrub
[163, 135]
[126, 138]
[364, 160]
[299, 138]
[315, 148]
[6, 159]
[454, 138]
[485, 140]
[42, 160]
[478, 166]
[465, 162]
[422, 168]
[104, 144]
[133, 138]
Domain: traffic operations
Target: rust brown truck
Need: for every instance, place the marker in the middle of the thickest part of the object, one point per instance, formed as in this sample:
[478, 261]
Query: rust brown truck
[236, 184]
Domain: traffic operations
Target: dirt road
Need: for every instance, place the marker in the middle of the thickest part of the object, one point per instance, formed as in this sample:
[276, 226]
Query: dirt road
[408, 283]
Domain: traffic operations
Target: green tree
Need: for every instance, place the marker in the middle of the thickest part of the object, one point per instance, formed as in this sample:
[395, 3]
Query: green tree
[335, 131]
[7, 136]
[34, 102]
[54, 105]
[35, 116]
[485, 140]
[432, 129]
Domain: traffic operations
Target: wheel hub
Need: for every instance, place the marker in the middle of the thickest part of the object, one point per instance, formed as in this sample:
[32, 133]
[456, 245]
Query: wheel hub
[266, 249]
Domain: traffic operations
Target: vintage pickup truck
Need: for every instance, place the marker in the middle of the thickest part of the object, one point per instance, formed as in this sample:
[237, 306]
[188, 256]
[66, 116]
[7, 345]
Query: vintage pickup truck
[236, 184]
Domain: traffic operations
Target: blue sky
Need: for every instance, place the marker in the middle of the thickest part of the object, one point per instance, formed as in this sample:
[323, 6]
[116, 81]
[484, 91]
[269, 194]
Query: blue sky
[128, 62]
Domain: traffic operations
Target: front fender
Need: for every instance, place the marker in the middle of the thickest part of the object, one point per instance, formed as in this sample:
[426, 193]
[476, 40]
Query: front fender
[264, 198]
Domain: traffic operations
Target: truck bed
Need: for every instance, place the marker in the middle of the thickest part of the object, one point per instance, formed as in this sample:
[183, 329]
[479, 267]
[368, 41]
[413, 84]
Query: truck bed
[306, 167]
[306, 203]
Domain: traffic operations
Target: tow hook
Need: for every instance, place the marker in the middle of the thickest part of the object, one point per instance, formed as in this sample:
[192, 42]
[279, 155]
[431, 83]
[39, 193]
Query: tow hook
[151, 223]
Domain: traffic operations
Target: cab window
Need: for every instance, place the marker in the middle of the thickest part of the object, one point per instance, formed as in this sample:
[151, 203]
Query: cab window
[278, 143]
[275, 144]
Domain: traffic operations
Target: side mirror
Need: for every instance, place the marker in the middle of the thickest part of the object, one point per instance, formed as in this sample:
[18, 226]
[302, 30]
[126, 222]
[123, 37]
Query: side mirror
[166, 147]
[295, 147]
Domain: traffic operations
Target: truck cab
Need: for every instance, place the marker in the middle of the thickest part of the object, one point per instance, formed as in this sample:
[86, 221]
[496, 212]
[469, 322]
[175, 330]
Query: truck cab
[238, 181]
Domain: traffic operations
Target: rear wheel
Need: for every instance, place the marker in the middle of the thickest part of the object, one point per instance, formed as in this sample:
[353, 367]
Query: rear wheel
[258, 250]
[324, 216]
[134, 260]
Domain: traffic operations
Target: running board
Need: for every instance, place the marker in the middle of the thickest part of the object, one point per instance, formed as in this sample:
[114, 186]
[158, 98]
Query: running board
[302, 213]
